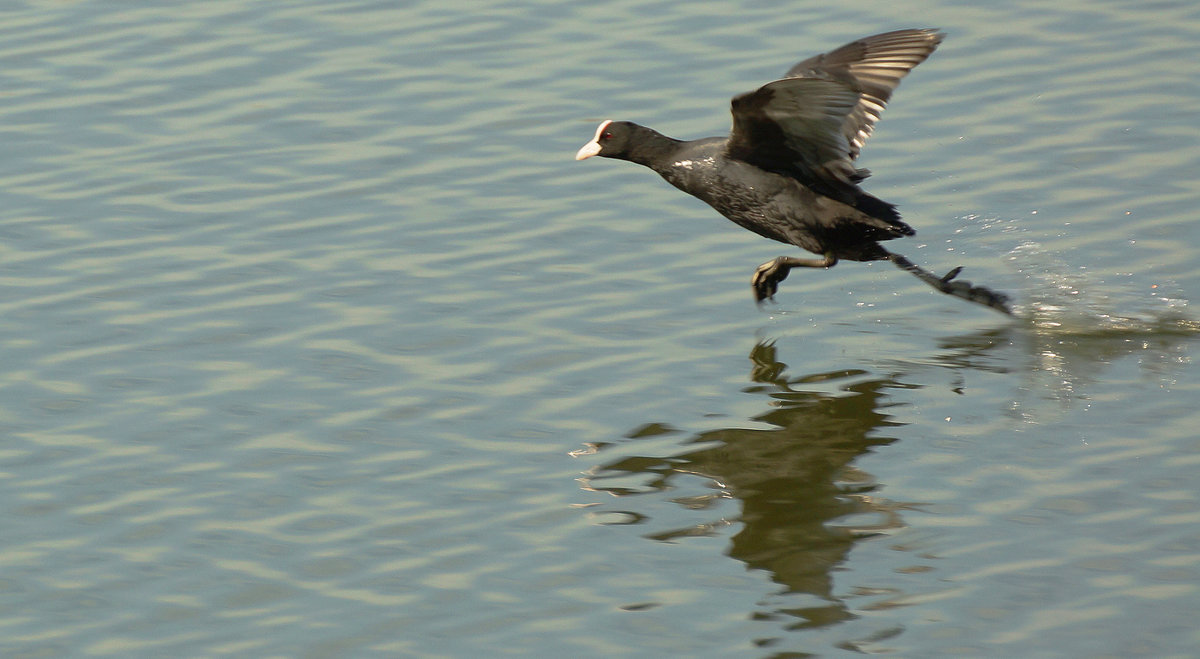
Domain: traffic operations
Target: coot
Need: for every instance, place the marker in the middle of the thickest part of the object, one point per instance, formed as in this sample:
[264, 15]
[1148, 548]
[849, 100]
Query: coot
[787, 170]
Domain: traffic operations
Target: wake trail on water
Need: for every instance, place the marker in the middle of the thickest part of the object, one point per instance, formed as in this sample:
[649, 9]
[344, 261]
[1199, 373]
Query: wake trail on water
[1067, 300]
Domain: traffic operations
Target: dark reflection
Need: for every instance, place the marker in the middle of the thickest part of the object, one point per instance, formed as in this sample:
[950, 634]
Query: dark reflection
[791, 468]
[803, 504]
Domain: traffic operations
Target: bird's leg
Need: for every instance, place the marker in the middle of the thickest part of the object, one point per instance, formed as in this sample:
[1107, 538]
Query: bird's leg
[964, 289]
[768, 275]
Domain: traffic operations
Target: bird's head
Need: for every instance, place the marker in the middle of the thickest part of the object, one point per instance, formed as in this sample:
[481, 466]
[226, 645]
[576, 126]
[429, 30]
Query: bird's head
[611, 141]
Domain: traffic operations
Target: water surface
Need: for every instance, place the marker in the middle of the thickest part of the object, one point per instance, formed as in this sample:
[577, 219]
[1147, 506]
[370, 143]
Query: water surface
[319, 344]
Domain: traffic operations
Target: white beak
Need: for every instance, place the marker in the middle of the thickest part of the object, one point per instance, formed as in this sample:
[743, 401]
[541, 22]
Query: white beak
[590, 149]
[593, 148]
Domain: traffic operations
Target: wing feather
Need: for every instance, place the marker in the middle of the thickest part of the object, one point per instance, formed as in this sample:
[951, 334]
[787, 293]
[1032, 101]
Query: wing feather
[815, 120]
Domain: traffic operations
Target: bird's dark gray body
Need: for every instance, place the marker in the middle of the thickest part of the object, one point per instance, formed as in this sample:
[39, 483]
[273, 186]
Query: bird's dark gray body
[773, 205]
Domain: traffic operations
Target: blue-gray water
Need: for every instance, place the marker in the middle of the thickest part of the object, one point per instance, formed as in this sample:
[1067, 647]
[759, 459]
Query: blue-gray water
[317, 343]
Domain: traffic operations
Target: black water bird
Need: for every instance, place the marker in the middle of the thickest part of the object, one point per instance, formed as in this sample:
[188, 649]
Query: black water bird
[787, 170]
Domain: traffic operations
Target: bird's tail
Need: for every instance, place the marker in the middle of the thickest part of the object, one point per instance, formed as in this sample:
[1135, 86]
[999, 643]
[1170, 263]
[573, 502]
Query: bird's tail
[964, 289]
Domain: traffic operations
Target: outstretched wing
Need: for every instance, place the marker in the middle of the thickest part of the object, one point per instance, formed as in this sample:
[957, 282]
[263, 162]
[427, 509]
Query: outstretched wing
[873, 66]
[815, 120]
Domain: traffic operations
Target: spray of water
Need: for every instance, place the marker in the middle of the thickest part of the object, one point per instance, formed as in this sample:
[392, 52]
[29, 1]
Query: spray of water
[1062, 300]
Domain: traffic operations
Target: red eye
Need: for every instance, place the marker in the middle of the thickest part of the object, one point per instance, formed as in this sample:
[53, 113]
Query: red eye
[606, 136]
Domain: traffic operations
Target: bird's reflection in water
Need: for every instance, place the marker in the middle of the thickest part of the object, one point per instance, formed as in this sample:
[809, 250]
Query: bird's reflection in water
[803, 503]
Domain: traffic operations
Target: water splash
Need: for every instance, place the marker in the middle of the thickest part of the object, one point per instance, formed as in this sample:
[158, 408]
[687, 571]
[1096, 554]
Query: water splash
[1074, 302]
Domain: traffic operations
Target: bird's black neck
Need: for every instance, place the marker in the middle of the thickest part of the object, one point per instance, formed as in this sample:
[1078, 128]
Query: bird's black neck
[650, 148]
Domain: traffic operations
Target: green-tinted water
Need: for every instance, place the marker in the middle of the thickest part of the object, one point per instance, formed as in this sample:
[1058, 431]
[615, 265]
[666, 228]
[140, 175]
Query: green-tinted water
[318, 343]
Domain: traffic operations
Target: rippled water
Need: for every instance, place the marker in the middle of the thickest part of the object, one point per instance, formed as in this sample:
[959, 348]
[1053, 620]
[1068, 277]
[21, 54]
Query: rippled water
[319, 344]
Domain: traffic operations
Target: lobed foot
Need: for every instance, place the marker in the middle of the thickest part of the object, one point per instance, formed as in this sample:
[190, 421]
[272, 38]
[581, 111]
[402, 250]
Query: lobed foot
[767, 277]
[948, 284]
[978, 294]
